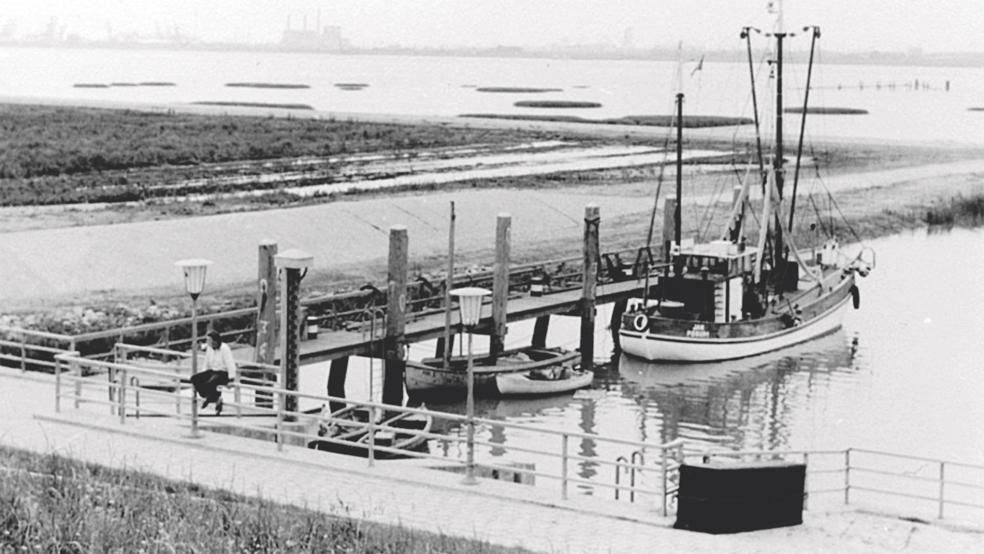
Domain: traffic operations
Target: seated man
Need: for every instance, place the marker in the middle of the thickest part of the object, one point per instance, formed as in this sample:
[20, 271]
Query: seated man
[220, 369]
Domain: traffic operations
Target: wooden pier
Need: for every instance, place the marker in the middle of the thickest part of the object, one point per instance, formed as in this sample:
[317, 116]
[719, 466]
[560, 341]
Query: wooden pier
[332, 345]
[386, 322]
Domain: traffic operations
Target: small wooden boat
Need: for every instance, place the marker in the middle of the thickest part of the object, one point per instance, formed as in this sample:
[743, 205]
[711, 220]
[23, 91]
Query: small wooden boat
[539, 382]
[348, 431]
[429, 375]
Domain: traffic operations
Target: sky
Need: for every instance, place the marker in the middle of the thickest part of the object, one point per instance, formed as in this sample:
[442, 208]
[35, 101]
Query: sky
[847, 25]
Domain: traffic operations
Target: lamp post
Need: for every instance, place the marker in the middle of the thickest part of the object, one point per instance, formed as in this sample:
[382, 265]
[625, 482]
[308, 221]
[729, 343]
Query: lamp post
[194, 281]
[470, 306]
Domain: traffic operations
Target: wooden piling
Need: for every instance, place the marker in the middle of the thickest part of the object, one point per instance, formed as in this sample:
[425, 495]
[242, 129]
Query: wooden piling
[396, 305]
[540, 332]
[440, 350]
[336, 381]
[500, 284]
[265, 344]
[592, 219]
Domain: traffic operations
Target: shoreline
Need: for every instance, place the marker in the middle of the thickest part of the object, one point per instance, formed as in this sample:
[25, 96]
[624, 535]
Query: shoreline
[589, 129]
[74, 234]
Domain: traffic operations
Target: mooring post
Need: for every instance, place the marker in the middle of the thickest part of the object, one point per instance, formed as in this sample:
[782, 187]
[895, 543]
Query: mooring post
[540, 329]
[290, 264]
[396, 305]
[669, 225]
[591, 220]
[440, 348]
[265, 346]
[500, 284]
[336, 382]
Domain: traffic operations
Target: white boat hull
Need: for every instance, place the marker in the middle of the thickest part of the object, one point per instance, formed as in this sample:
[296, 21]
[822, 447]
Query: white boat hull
[430, 376]
[520, 384]
[643, 344]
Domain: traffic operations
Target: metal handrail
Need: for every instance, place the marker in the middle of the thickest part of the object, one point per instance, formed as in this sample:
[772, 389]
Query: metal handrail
[671, 454]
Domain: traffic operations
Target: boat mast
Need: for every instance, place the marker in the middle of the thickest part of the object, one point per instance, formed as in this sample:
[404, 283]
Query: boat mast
[799, 148]
[677, 211]
[777, 163]
[678, 227]
[448, 283]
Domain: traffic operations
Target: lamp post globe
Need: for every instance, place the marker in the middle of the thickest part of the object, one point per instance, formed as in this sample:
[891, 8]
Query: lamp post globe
[470, 309]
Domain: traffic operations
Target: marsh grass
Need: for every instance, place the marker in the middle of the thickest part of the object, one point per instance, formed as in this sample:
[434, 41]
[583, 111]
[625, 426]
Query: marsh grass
[556, 104]
[269, 85]
[61, 155]
[50, 503]
[821, 110]
[959, 210]
[690, 122]
[287, 106]
[524, 90]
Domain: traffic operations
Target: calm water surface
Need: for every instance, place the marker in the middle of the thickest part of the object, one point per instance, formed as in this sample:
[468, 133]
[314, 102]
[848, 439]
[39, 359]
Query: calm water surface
[446, 86]
[904, 374]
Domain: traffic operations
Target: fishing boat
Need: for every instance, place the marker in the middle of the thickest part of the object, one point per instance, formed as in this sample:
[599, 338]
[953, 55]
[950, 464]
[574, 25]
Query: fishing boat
[726, 298]
[542, 383]
[347, 431]
[431, 376]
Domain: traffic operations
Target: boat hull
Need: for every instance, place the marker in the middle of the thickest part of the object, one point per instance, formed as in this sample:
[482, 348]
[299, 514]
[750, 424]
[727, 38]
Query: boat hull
[404, 437]
[678, 347]
[428, 376]
[520, 384]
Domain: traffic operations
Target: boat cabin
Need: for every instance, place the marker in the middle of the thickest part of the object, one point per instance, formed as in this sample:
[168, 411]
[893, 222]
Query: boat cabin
[711, 284]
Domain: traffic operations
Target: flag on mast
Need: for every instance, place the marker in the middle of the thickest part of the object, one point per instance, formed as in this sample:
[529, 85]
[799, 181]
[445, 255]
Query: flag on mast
[700, 65]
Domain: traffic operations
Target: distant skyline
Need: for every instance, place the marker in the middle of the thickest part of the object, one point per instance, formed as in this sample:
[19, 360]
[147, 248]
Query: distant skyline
[848, 25]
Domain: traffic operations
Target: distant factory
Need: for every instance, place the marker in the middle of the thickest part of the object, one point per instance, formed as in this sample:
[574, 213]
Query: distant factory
[327, 38]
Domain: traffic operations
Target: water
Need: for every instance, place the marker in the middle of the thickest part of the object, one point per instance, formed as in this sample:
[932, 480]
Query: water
[904, 374]
[445, 86]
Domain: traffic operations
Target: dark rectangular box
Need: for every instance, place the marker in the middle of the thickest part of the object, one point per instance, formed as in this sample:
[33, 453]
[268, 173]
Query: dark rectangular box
[735, 497]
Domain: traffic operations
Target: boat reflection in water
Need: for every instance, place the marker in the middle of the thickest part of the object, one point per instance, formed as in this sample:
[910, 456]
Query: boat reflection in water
[750, 403]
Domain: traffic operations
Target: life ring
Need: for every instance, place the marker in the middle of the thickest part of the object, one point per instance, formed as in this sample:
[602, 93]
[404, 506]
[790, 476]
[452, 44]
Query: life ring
[640, 322]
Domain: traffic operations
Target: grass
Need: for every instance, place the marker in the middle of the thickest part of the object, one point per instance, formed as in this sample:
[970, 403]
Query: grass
[53, 504]
[689, 122]
[61, 155]
[268, 85]
[255, 105]
[529, 90]
[556, 104]
[959, 210]
[820, 110]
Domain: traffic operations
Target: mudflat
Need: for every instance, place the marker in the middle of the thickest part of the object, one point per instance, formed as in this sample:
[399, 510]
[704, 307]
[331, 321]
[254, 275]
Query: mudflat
[81, 254]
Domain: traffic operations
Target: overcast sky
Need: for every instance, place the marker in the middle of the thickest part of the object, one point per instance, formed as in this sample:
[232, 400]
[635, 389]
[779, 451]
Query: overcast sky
[848, 25]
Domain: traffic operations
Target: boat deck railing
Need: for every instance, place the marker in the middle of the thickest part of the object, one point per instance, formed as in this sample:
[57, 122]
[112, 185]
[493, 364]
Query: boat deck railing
[134, 389]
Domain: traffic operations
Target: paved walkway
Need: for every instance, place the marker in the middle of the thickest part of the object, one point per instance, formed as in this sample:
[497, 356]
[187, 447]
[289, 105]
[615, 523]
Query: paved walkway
[398, 493]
